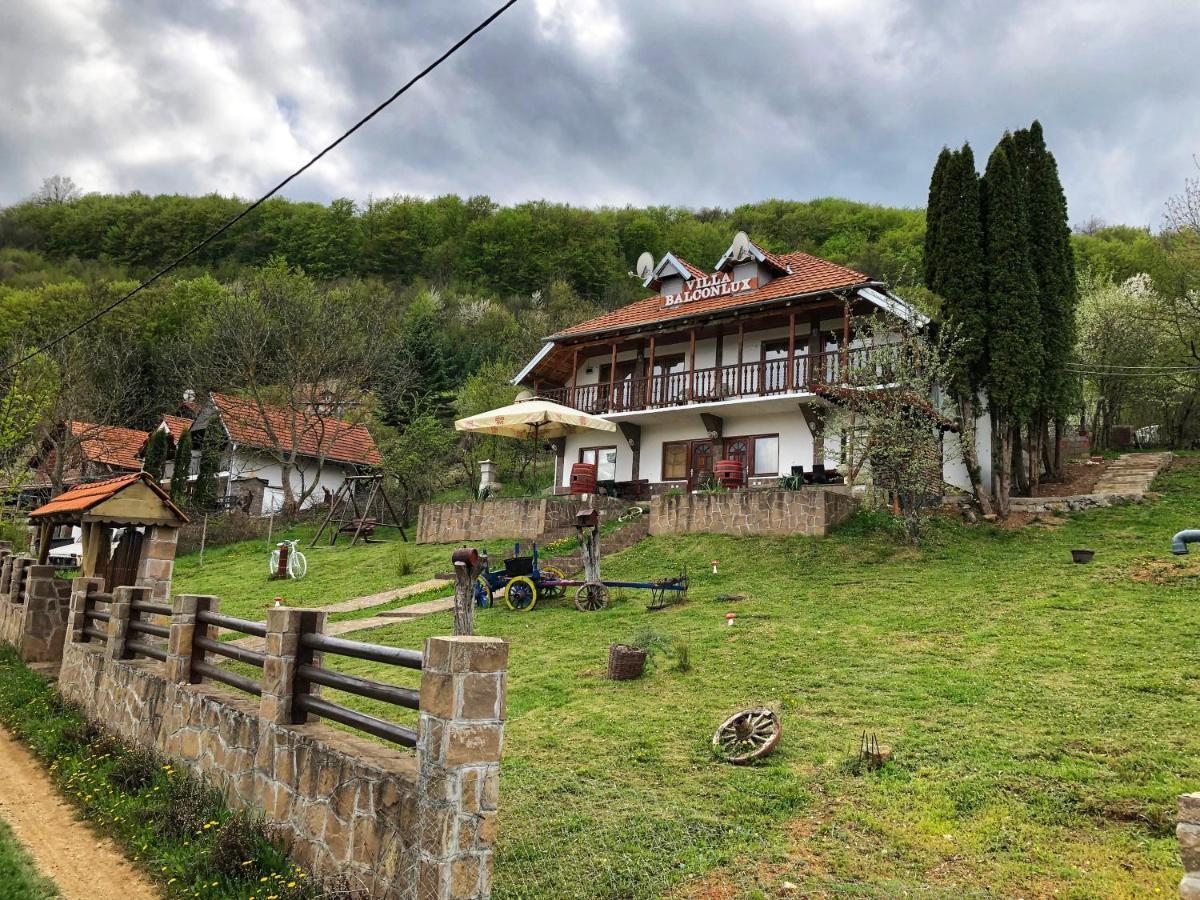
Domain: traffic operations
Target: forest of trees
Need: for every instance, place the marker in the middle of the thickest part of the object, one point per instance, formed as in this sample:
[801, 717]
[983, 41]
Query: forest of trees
[457, 292]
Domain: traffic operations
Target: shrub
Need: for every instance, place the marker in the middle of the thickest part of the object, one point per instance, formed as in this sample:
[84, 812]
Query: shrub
[404, 563]
[240, 838]
[186, 805]
[683, 656]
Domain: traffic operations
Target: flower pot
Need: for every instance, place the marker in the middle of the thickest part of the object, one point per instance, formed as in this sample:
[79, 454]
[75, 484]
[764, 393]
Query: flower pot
[625, 663]
[1082, 556]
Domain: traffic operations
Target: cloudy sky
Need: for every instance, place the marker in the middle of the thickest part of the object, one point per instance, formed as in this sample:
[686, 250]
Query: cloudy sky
[692, 102]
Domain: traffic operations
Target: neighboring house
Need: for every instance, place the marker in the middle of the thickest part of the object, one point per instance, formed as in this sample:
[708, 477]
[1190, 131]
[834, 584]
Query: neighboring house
[738, 363]
[257, 442]
[92, 452]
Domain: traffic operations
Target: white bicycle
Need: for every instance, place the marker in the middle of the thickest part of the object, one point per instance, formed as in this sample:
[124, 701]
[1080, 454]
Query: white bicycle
[297, 565]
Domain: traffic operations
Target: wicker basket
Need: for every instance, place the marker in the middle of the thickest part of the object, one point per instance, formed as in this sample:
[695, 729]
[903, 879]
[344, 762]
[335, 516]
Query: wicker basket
[624, 662]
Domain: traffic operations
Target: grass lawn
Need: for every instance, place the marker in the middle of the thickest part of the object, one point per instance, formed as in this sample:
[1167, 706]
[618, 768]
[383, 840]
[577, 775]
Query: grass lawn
[18, 878]
[1042, 714]
[238, 573]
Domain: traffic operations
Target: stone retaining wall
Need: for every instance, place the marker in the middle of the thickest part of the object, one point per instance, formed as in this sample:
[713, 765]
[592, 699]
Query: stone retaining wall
[812, 511]
[398, 823]
[529, 518]
[1188, 834]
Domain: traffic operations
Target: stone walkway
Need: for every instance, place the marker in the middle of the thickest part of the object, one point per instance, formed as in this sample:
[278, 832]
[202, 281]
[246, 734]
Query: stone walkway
[391, 617]
[1126, 480]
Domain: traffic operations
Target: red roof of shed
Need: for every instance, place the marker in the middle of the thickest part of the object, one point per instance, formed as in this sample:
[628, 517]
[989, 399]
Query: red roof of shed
[83, 497]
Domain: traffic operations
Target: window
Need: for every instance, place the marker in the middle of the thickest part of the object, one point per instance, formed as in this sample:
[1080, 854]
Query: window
[675, 461]
[766, 455]
[604, 459]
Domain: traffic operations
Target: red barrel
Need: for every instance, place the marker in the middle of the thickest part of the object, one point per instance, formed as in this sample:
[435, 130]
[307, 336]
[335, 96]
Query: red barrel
[731, 474]
[583, 478]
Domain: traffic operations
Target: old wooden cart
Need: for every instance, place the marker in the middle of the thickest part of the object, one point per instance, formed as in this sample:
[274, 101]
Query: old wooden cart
[524, 581]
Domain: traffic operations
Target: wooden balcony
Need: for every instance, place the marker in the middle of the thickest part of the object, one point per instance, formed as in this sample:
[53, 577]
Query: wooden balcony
[761, 378]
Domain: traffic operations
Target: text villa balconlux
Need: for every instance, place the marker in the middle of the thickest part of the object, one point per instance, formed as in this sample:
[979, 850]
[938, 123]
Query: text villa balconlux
[718, 285]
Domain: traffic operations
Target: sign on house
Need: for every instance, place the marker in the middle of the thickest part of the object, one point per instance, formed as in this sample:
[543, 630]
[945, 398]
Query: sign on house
[717, 285]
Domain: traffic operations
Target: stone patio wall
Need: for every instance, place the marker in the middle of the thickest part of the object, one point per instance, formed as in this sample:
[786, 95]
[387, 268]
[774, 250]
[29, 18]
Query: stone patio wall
[811, 511]
[526, 519]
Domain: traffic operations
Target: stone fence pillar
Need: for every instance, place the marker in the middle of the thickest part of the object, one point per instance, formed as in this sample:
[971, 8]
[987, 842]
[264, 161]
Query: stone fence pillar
[181, 648]
[280, 681]
[1188, 832]
[81, 589]
[120, 611]
[158, 562]
[6, 566]
[16, 583]
[460, 737]
[47, 609]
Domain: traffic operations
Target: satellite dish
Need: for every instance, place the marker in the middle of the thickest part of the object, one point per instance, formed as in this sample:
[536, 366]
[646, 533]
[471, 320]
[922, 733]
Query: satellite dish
[740, 248]
[645, 265]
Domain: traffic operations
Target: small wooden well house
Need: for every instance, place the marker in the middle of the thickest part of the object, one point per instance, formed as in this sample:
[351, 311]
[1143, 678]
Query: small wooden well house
[131, 509]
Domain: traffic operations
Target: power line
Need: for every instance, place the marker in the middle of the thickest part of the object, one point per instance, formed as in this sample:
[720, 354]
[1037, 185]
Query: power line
[265, 197]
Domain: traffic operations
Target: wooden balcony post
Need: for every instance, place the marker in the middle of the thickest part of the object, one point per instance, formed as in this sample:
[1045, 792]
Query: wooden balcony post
[741, 342]
[612, 377]
[791, 355]
[846, 340]
[691, 364]
[574, 394]
[650, 374]
[815, 358]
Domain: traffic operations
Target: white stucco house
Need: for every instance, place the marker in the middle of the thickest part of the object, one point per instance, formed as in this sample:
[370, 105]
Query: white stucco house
[255, 442]
[721, 365]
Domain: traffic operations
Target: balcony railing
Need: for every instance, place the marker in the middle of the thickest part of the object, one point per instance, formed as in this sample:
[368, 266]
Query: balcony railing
[760, 378]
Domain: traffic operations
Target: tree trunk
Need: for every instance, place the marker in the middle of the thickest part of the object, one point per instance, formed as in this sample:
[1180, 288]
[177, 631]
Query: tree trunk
[1020, 479]
[1047, 455]
[1004, 468]
[1060, 431]
[1034, 470]
[983, 496]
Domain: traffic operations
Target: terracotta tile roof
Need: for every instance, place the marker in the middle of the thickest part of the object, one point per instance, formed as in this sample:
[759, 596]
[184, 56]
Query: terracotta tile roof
[809, 275]
[695, 270]
[177, 425]
[341, 441]
[777, 261]
[110, 444]
[83, 497]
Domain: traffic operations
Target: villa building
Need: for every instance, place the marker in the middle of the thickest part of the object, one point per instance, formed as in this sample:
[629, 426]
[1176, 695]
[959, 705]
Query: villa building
[733, 364]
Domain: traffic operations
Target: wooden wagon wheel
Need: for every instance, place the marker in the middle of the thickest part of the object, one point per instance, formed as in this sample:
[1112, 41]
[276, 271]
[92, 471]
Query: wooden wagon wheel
[591, 597]
[747, 736]
[483, 592]
[521, 594]
[552, 591]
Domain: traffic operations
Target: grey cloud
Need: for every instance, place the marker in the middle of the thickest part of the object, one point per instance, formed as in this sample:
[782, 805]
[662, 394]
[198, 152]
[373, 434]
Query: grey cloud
[693, 103]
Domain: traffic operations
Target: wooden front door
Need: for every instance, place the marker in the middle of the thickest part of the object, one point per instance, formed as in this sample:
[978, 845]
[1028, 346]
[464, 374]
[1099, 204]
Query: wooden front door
[701, 457]
[123, 567]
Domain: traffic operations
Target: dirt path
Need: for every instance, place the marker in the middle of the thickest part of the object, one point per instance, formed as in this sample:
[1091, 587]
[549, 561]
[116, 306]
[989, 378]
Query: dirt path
[84, 866]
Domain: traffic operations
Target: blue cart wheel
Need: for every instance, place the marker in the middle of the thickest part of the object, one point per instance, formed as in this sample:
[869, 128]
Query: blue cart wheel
[483, 593]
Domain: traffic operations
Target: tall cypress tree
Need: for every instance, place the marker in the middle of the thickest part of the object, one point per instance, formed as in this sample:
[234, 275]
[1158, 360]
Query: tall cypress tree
[1015, 316]
[1053, 266]
[183, 466]
[204, 492]
[958, 278]
[935, 211]
[156, 454]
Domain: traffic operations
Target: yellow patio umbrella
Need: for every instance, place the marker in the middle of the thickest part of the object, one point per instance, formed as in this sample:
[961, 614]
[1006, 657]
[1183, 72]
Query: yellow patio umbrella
[533, 416]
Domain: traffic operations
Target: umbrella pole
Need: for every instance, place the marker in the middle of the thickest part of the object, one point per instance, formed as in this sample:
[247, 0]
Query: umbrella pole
[536, 426]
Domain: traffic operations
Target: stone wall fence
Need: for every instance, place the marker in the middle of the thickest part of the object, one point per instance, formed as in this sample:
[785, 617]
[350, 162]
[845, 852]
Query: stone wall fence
[810, 511]
[34, 608]
[412, 817]
[1188, 833]
[521, 518]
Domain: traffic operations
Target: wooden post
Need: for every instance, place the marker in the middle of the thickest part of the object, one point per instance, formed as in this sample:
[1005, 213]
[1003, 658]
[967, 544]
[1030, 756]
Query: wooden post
[203, 535]
[574, 395]
[691, 391]
[791, 354]
[466, 570]
[44, 532]
[741, 342]
[650, 374]
[589, 552]
[815, 347]
[612, 376]
[846, 340]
